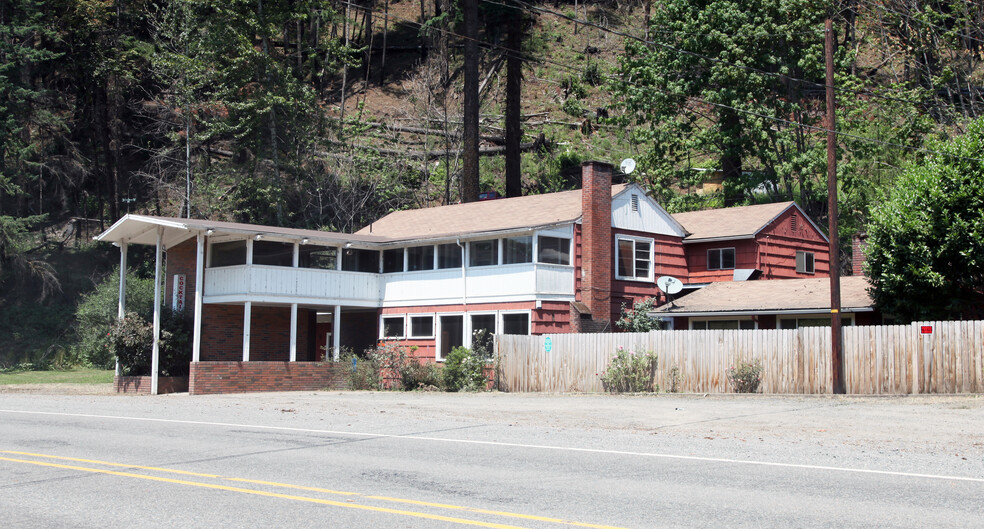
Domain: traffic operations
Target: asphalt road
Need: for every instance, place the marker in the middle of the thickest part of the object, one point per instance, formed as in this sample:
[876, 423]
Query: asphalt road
[489, 460]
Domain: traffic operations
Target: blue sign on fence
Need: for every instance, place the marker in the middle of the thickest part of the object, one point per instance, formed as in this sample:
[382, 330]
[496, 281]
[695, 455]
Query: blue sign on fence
[547, 344]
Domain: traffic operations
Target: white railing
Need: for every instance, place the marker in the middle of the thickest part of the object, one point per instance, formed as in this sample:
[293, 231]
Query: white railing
[482, 284]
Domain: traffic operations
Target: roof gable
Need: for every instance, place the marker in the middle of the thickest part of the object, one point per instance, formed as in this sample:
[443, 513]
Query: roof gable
[741, 222]
[633, 209]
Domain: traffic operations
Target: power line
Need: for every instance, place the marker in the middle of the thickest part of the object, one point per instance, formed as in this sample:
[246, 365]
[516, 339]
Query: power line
[568, 67]
[909, 17]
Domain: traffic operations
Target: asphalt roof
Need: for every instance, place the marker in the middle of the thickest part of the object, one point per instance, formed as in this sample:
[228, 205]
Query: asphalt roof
[772, 296]
[736, 222]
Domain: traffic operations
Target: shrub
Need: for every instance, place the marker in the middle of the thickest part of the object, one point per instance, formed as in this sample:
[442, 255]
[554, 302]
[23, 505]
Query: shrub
[96, 314]
[464, 371]
[637, 318]
[396, 362]
[364, 375]
[746, 377]
[131, 342]
[629, 372]
[592, 74]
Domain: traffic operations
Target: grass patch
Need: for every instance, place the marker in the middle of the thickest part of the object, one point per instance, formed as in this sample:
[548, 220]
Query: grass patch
[69, 376]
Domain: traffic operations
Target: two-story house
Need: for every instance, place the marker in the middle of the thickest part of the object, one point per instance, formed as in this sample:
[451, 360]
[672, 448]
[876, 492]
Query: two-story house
[552, 263]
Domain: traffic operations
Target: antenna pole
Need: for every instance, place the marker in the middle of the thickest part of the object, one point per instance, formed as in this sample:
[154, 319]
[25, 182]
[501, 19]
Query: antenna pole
[836, 340]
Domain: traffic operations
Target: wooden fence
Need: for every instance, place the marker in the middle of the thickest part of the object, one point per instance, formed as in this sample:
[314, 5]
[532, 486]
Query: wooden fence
[877, 359]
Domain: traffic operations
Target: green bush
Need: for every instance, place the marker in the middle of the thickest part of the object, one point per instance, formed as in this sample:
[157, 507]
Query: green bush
[364, 374]
[131, 341]
[746, 377]
[464, 371]
[637, 318]
[97, 311]
[629, 372]
[397, 362]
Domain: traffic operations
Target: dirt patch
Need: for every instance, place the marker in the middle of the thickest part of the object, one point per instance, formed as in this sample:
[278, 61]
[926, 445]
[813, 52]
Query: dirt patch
[59, 389]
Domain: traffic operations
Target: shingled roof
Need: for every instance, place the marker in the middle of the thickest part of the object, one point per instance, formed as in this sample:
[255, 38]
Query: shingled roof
[771, 296]
[738, 222]
[531, 211]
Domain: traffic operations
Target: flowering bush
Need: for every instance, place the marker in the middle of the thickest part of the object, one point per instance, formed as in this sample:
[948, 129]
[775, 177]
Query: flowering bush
[464, 371]
[746, 377]
[637, 318]
[630, 372]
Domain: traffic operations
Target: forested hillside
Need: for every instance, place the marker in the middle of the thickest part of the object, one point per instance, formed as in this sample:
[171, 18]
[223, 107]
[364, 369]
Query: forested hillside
[328, 114]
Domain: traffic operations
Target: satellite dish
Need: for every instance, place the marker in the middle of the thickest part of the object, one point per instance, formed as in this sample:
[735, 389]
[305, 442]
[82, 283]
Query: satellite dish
[627, 165]
[669, 284]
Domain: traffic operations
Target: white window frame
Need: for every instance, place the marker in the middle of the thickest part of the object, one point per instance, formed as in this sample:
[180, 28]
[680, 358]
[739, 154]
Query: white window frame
[470, 331]
[409, 330]
[536, 249]
[437, 331]
[846, 320]
[720, 261]
[652, 258]
[813, 262]
[500, 321]
[382, 326]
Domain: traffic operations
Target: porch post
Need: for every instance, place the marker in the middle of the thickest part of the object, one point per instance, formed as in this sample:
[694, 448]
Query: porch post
[121, 307]
[293, 332]
[155, 360]
[247, 309]
[196, 348]
[336, 333]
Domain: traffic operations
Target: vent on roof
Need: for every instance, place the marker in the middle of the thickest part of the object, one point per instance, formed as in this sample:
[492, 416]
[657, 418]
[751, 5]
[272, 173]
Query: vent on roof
[792, 221]
[635, 202]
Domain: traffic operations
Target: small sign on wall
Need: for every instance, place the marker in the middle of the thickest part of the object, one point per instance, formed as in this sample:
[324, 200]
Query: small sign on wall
[178, 293]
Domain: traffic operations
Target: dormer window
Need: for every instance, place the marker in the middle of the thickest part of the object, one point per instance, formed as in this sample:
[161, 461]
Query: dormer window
[804, 263]
[634, 258]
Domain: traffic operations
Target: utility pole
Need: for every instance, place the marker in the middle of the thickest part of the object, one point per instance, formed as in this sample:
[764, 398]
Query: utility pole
[836, 339]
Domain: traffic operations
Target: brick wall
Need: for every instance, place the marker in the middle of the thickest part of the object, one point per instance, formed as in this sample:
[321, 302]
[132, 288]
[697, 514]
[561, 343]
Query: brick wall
[141, 385]
[596, 238]
[859, 244]
[240, 377]
[222, 333]
[182, 259]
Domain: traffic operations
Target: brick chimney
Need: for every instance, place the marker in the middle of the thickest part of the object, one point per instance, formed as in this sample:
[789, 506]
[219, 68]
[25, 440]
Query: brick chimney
[859, 244]
[596, 239]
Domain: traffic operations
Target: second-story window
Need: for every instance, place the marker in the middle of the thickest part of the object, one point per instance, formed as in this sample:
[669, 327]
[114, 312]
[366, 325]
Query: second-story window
[804, 263]
[634, 259]
[448, 255]
[553, 250]
[392, 260]
[273, 253]
[319, 257]
[227, 254]
[721, 259]
[517, 250]
[483, 253]
[420, 258]
[355, 260]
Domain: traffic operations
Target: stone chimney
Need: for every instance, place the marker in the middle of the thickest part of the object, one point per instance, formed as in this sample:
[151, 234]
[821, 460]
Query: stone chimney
[596, 239]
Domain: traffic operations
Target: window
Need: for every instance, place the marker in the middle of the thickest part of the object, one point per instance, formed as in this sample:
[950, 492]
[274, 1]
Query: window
[715, 325]
[483, 253]
[420, 258]
[635, 259]
[449, 256]
[393, 327]
[721, 259]
[393, 260]
[421, 326]
[360, 260]
[517, 250]
[319, 257]
[553, 250]
[804, 262]
[482, 341]
[273, 253]
[228, 253]
[796, 323]
[516, 323]
[452, 334]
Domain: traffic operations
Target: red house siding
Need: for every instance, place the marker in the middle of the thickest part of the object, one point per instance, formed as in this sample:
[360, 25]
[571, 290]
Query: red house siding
[779, 242]
[746, 256]
[669, 259]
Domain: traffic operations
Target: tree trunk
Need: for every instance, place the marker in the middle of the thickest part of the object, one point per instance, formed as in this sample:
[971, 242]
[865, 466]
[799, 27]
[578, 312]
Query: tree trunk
[470, 176]
[514, 92]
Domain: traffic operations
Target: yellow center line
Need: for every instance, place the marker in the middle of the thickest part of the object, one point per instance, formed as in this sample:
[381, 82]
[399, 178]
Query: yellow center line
[301, 487]
[414, 514]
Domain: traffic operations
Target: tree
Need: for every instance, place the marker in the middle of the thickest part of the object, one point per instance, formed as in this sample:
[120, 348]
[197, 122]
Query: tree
[925, 254]
[717, 87]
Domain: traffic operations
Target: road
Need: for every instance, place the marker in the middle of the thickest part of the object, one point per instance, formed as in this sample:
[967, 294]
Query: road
[340, 459]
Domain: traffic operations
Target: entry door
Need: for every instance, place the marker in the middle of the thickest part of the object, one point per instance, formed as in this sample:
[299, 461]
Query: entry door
[452, 333]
